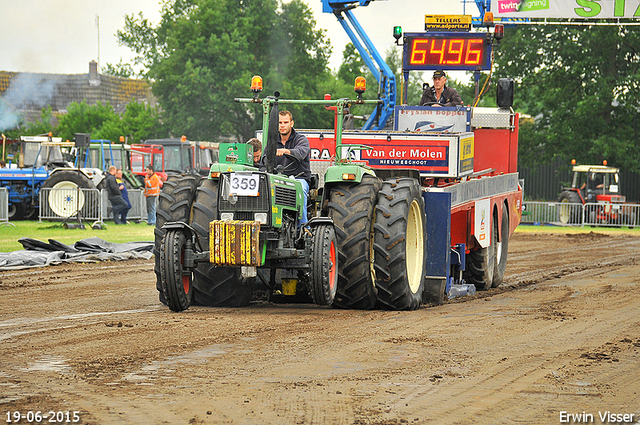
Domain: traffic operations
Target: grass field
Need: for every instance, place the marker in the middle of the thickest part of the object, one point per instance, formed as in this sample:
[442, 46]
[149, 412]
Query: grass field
[526, 228]
[44, 231]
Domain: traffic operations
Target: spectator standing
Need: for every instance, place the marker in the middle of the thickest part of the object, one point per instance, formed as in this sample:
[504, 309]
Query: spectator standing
[152, 185]
[115, 196]
[122, 185]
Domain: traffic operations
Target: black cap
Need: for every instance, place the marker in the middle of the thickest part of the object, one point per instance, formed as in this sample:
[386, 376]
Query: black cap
[439, 73]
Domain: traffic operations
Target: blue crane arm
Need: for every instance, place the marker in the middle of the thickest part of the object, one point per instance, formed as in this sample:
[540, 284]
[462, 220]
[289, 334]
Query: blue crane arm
[370, 55]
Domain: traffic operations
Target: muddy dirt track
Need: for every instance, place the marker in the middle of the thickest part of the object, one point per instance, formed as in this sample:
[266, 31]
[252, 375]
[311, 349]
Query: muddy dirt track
[560, 337]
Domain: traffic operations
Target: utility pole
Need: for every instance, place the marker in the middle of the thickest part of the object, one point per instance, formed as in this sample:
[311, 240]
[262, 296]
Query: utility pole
[98, 31]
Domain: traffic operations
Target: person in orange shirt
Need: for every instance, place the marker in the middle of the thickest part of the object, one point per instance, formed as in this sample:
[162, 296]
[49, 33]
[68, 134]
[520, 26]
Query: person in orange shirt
[152, 185]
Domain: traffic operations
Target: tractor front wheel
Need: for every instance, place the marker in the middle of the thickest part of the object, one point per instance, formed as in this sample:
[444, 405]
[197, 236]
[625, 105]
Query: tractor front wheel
[215, 286]
[324, 265]
[174, 204]
[176, 283]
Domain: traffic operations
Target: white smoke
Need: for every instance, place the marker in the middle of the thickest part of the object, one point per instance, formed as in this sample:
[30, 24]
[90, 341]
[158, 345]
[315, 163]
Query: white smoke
[8, 118]
[26, 91]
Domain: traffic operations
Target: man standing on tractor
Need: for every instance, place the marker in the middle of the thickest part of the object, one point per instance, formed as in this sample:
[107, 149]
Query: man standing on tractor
[152, 185]
[296, 145]
[440, 94]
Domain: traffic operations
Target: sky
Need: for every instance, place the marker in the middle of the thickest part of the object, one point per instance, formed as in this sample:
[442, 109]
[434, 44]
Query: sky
[61, 36]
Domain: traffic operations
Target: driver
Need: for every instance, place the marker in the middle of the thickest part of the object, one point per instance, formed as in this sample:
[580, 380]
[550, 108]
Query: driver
[297, 145]
[440, 94]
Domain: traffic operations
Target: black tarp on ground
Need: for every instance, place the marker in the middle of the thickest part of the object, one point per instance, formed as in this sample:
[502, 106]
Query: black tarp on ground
[38, 253]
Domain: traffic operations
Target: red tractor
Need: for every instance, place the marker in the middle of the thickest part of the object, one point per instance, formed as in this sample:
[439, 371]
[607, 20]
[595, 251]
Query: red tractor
[177, 155]
[595, 189]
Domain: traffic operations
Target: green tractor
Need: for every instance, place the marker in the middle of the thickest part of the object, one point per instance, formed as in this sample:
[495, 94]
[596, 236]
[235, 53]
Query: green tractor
[214, 234]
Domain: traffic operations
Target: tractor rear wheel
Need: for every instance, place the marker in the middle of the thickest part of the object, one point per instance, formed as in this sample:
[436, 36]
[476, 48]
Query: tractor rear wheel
[174, 204]
[17, 211]
[569, 212]
[400, 245]
[324, 265]
[351, 206]
[502, 247]
[215, 286]
[176, 284]
[481, 263]
[65, 199]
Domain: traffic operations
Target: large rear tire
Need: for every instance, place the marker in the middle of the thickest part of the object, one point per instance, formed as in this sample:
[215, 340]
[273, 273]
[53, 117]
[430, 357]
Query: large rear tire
[569, 212]
[65, 200]
[351, 206]
[17, 211]
[324, 265]
[174, 204]
[215, 286]
[176, 284]
[400, 245]
[481, 263]
[502, 247]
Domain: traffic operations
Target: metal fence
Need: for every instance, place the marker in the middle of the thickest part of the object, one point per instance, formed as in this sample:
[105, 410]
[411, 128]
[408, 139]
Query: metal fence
[545, 181]
[138, 202]
[93, 204]
[570, 214]
[4, 205]
[62, 203]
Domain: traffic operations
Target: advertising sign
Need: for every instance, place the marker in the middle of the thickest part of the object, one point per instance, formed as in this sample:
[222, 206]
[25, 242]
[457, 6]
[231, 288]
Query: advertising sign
[432, 119]
[573, 9]
[432, 155]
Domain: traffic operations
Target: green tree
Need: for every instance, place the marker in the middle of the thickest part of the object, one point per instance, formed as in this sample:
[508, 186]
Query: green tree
[203, 54]
[138, 122]
[352, 65]
[43, 125]
[581, 85]
[121, 69]
[83, 118]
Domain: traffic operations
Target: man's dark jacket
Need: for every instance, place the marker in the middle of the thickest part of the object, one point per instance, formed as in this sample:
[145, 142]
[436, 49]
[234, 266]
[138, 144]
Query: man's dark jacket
[113, 191]
[449, 97]
[298, 144]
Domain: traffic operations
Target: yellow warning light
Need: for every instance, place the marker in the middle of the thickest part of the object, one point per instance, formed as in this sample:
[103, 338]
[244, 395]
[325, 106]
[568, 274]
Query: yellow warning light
[573, 162]
[487, 20]
[183, 138]
[256, 83]
[361, 85]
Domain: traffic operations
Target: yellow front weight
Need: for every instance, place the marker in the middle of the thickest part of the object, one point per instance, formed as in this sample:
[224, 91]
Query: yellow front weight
[234, 243]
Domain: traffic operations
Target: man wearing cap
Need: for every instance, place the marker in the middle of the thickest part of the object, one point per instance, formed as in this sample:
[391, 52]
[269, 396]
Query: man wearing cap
[440, 94]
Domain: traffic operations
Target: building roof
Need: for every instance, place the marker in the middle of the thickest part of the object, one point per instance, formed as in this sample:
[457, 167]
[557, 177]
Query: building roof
[30, 92]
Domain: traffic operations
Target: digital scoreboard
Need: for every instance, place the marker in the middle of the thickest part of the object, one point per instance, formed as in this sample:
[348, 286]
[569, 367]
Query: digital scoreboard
[446, 51]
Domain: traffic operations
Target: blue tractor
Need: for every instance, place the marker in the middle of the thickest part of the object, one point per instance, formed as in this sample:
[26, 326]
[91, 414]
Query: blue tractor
[42, 162]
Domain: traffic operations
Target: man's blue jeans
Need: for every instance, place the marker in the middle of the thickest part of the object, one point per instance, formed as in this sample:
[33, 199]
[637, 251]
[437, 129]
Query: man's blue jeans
[305, 189]
[151, 209]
